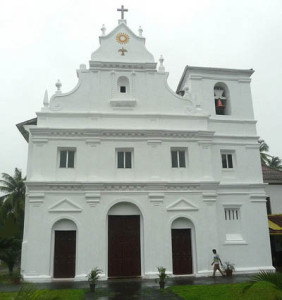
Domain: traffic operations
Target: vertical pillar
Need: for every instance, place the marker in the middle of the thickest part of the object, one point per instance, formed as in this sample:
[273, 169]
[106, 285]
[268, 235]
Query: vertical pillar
[206, 160]
[133, 75]
[114, 84]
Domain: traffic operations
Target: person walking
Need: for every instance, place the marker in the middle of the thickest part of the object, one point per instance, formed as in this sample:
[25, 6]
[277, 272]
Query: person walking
[215, 263]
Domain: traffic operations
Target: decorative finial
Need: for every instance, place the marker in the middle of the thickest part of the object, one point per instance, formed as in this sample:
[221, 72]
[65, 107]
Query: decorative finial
[45, 99]
[103, 29]
[140, 31]
[58, 86]
[161, 67]
[122, 10]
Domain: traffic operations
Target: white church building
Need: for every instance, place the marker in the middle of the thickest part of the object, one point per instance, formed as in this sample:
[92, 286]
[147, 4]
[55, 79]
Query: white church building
[127, 175]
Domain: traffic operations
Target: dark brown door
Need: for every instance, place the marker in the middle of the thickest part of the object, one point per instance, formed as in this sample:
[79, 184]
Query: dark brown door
[64, 256]
[181, 251]
[124, 246]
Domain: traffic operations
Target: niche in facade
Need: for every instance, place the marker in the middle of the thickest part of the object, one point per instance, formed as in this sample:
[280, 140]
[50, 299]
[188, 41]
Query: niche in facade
[123, 85]
[221, 99]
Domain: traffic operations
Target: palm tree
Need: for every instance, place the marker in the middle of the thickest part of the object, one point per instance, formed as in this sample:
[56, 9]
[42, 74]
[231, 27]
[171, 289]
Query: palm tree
[12, 202]
[275, 163]
[263, 147]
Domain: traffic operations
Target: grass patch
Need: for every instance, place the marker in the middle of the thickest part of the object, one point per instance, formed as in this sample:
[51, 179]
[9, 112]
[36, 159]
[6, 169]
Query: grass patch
[99, 293]
[260, 290]
[8, 296]
[5, 279]
[30, 294]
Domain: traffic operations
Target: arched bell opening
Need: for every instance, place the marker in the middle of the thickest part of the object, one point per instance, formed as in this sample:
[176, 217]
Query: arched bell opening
[222, 99]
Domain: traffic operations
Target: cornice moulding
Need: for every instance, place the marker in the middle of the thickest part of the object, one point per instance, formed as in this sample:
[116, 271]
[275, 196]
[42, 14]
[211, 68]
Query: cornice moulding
[104, 133]
[109, 66]
[227, 119]
[189, 187]
[106, 114]
[243, 185]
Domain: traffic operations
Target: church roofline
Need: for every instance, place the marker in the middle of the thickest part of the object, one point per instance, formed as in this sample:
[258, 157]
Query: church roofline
[23, 131]
[211, 70]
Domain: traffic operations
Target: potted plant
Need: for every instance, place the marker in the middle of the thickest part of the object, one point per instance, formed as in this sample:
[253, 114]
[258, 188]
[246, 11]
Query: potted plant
[229, 268]
[162, 277]
[93, 277]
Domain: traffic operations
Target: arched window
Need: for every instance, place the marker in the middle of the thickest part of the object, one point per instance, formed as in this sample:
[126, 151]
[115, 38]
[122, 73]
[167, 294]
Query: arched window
[123, 85]
[222, 99]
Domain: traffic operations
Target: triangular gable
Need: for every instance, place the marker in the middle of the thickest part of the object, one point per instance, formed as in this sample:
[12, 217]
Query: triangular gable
[181, 205]
[65, 206]
[112, 50]
[121, 26]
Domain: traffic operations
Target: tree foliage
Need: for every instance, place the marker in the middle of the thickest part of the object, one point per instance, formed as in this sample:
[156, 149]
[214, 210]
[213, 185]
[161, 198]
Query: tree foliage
[263, 147]
[273, 162]
[10, 251]
[13, 198]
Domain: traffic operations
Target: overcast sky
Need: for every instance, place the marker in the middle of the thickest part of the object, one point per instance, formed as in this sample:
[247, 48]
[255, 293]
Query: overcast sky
[42, 41]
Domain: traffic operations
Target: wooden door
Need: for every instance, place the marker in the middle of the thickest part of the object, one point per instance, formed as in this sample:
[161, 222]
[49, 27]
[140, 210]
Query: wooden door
[124, 246]
[181, 251]
[64, 254]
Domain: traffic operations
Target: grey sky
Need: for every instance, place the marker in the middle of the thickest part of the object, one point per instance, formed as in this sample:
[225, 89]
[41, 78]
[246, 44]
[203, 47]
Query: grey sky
[42, 41]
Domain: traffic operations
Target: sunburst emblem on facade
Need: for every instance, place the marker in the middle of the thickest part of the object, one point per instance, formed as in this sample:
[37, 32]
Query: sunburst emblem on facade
[122, 38]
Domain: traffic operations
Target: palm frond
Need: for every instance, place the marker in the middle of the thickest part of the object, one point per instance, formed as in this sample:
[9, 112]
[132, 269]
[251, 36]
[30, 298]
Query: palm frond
[263, 147]
[12, 202]
[271, 277]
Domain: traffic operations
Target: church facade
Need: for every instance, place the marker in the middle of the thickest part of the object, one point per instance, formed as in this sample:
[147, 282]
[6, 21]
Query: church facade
[127, 175]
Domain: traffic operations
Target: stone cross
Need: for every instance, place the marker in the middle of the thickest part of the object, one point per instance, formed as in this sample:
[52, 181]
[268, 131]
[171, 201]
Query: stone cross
[122, 10]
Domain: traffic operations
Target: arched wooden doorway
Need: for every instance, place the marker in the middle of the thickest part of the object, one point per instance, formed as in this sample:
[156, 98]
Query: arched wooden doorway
[124, 252]
[181, 246]
[64, 249]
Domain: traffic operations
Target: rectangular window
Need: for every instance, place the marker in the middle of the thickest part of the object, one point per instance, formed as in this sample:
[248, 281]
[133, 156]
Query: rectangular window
[178, 158]
[124, 159]
[231, 214]
[67, 158]
[123, 89]
[227, 160]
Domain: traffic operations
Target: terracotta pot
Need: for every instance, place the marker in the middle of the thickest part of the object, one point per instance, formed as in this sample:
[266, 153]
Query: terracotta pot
[228, 272]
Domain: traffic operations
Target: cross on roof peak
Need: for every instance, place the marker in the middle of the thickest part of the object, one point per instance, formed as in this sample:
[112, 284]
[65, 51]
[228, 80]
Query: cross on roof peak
[122, 10]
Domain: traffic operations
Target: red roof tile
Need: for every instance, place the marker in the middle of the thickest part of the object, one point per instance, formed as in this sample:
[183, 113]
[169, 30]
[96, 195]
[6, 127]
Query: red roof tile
[271, 176]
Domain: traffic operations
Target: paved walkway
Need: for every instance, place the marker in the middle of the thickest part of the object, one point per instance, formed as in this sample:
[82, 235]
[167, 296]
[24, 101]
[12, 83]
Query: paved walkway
[132, 289]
